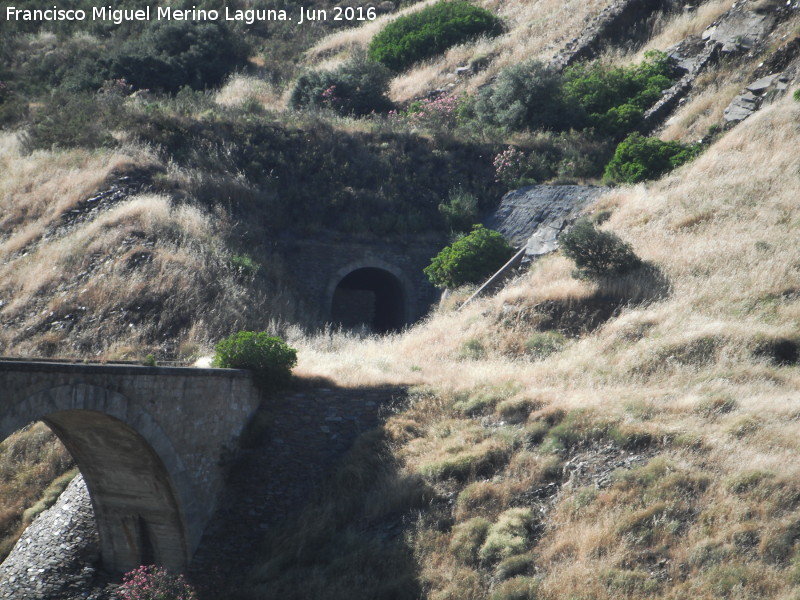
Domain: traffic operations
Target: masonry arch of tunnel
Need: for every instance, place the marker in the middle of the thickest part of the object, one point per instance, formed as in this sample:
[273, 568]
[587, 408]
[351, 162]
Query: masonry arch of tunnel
[372, 295]
[130, 469]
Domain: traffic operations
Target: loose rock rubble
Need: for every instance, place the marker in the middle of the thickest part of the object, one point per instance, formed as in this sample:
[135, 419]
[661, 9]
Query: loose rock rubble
[56, 557]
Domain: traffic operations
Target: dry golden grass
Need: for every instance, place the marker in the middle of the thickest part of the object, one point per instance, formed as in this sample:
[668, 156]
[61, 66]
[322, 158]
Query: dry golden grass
[671, 29]
[39, 188]
[30, 460]
[146, 275]
[685, 369]
[242, 89]
[535, 30]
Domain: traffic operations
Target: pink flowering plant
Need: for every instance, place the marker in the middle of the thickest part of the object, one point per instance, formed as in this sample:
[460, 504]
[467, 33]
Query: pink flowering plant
[150, 582]
[330, 99]
[511, 167]
[431, 113]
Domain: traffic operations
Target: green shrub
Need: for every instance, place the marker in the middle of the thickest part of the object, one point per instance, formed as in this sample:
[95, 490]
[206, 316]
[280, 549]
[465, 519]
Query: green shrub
[796, 95]
[358, 87]
[529, 95]
[597, 253]
[244, 265]
[270, 359]
[469, 259]
[68, 120]
[430, 31]
[13, 107]
[638, 158]
[460, 210]
[614, 100]
[166, 57]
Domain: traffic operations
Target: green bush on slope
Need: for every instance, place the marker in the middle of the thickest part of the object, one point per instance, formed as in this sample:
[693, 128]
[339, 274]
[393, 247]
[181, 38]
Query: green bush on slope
[529, 95]
[615, 99]
[270, 358]
[430, 31]
[358, 87]
[639, 158]
[597, 253]
[469, 259]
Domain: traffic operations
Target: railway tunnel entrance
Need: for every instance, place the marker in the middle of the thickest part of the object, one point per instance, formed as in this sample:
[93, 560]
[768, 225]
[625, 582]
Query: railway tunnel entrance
[369, 298]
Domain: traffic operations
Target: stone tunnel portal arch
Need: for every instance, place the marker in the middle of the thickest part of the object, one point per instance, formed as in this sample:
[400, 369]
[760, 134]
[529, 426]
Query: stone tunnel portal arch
[136, 502]
[371, 297]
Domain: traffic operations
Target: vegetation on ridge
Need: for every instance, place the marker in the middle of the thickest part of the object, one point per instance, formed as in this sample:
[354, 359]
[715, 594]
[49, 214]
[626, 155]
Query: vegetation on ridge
[626, 435]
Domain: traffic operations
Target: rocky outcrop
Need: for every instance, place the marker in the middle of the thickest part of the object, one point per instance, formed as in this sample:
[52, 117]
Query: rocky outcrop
[748, 102]
[621, 23]
[743, 29]
[533, 217]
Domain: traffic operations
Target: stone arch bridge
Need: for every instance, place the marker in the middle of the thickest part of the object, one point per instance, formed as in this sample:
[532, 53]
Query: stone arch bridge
[151, 443]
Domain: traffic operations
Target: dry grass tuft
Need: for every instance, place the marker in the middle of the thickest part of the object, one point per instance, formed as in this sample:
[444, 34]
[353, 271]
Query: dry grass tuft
[30, 460]
[243, 89]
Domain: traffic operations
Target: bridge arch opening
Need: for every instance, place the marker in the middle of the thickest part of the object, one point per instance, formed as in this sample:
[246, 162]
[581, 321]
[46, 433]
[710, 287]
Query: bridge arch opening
[371, 298]
[137, 501]
[136, 510]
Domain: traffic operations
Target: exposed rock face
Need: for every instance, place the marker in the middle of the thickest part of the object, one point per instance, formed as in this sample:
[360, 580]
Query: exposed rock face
[622, 22]
[534, 216]
[280, 470]
[56, 557]
[745, 28]
[748, 102]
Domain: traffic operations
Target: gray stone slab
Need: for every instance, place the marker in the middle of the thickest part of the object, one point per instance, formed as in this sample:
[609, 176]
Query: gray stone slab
[534, 216]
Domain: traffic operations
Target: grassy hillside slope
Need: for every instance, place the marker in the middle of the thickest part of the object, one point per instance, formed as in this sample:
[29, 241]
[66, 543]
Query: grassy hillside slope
[564, 440]
[653, 455]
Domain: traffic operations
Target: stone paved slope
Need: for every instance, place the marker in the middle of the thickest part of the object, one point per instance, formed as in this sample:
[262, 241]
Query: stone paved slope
[282, 467]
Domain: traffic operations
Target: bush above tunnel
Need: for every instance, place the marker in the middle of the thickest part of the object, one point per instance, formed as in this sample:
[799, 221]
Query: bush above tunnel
[269, 358]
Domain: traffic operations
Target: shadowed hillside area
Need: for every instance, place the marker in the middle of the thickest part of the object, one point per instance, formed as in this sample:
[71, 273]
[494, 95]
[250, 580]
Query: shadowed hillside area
[578, 434]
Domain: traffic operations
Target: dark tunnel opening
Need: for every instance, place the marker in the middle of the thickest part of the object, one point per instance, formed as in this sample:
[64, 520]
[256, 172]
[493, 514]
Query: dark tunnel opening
[370, 298]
